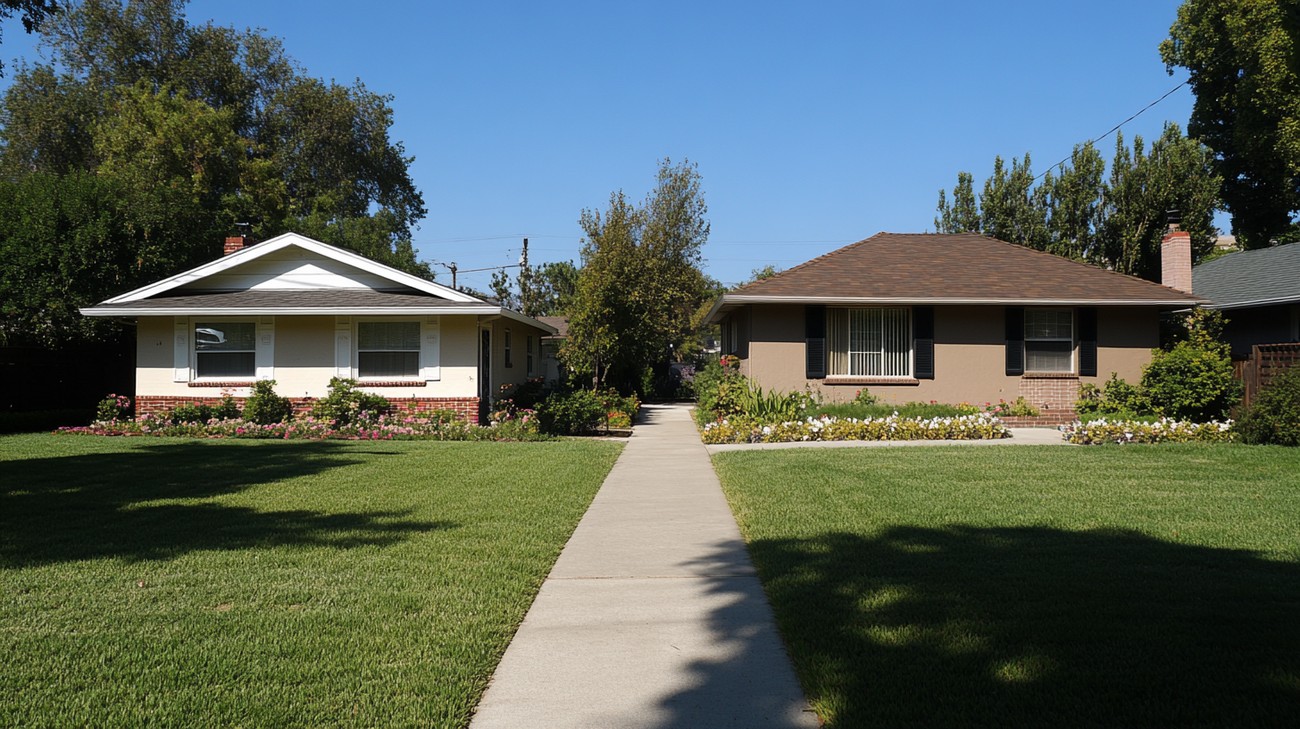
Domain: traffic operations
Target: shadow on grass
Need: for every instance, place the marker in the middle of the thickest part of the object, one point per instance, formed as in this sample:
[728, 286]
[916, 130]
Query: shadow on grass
[969, 626]
[66, 508]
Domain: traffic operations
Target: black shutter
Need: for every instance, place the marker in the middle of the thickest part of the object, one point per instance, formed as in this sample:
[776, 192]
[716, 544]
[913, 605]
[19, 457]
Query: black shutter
[1087, 342]
[923, 342]
[1015, 341]
[815, 341]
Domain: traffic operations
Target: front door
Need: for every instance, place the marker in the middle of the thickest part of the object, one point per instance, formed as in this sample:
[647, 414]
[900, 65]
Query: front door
[484, 375]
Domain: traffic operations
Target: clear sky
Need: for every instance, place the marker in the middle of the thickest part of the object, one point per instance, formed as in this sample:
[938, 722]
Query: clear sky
[814, 124]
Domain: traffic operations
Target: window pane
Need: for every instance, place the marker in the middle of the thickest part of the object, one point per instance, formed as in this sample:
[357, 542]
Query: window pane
[390, 335]
[388, 364]
[1048, 324]
[225, 364]
[1048, 356]
[225, 336]
[869, 342]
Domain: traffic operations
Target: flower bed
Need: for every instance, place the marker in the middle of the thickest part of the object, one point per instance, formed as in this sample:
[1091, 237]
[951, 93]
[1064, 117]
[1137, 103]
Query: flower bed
[980, 426]
[399, 426]
[1165, 430]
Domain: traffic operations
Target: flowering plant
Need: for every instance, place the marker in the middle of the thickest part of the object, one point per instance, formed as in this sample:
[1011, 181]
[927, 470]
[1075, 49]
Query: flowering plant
[1165, 430]
[828, 428]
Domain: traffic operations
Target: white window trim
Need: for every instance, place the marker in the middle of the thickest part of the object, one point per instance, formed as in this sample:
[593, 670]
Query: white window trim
[187, 368]
[1072, 339]
[347, 352]
[909, 337]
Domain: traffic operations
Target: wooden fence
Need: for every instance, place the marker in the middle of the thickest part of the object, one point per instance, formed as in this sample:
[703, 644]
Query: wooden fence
[1266, 360]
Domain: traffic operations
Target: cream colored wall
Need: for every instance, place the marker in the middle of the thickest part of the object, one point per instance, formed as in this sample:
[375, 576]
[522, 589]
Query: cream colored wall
[969, 356]
[517, 373]
[304, 360]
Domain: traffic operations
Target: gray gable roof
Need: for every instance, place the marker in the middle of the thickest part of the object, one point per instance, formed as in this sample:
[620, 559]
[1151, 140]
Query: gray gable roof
[1250, 278]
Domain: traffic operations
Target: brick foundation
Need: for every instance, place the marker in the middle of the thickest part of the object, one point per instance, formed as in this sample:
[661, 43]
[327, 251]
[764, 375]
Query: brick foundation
[1048, 419]
[465, 407]
[1050, 391]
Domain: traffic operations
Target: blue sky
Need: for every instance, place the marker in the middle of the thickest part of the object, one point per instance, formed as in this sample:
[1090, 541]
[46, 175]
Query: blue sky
[813, 124]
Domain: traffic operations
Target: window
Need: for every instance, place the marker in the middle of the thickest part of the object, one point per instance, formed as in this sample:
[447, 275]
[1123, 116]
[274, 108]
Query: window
[225, 349]
[388, 349]
[506, 346]
[528, 342]
[869, 342]
[1049, 340]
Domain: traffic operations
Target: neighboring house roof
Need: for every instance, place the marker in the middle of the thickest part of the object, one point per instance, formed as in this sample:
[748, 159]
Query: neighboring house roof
[928, 268]
[559, 323]
[294, 274]
[1250, 278]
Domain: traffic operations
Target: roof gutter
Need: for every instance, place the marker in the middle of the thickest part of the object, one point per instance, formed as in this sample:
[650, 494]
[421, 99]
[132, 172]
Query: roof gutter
[133, 311]
[1257, 302]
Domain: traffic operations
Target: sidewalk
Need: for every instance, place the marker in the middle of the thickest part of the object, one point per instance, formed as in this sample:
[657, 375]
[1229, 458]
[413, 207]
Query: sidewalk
[653, 616]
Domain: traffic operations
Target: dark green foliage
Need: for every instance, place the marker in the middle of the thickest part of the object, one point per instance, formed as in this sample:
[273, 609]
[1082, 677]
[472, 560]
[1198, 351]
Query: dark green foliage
[345, 405]
[572, 413]
[526, 396]
[227, 409]
[1191, 382]
[884, 410]
[43, 420]
[1115, 398]
[265, 407]
[718, 387]
[1274, 416]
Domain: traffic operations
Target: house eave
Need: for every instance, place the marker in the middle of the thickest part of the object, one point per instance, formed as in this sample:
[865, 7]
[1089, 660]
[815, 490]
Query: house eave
[1255, 303]
[730, 301]
[293, 311]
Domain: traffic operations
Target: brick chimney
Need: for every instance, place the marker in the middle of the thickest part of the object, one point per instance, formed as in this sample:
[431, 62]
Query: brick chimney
[1176, 255]
[234, 244]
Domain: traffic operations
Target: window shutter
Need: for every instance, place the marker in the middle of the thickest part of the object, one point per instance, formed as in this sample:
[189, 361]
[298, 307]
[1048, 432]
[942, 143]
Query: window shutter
[815, 342]
[923, 342]
[1087, 342]
[430, 349]
[342, 346]
[264, 350]
[181, 350]
[1015, 341]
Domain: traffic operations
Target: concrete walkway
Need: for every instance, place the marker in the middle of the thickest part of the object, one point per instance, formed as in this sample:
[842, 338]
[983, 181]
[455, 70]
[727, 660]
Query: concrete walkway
[653, 616]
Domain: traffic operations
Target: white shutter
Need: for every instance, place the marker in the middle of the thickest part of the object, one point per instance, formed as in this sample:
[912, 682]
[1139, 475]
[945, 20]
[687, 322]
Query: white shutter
[181, 350]
[430, 349]
[265, 348]
[342, 346]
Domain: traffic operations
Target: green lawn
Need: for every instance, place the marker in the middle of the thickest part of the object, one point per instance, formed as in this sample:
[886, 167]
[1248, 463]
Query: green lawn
[242, 583]
[1032, 586]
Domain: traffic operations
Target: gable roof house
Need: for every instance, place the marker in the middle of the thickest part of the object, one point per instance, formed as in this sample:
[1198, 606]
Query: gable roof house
[298, 311]
[1258, 292]
[951, 318]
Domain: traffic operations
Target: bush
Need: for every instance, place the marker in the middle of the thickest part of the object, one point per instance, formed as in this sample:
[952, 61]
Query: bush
[345, 404]
[265, 407]
[571, 413]
[1274, 416]
[1115, 398]
[1191, 381]
[113, 408]
[717, 387]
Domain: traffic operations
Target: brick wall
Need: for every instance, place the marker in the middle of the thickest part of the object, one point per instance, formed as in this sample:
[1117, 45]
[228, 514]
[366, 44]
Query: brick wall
[1051, 392]
[465, 407]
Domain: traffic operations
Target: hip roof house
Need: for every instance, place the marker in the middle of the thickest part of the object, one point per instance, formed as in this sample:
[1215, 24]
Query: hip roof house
[1258, 292]
[952, 318]
[301, 312]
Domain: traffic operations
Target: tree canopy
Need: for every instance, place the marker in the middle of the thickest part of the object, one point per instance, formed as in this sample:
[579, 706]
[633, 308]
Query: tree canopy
[1079, 212]
[198, 127]
[1243, 57]
[640, 281]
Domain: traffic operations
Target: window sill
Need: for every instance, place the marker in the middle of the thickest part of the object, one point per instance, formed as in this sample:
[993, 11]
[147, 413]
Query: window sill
[220, 383]
[1050, 376]
[391, 383]
[843, 380]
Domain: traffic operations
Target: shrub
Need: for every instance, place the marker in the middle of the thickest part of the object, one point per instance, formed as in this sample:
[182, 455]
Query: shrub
[265, 407]
[827, 428]
[619, 410]
[571, 413]
[1274, 416]
[1164, 430]
[1116, 397]
[345, 404]
[1191, 381]
[113, 408]
[865, 398]
[717, 387]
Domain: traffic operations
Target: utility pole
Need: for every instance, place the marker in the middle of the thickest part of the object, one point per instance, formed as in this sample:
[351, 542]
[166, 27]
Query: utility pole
[450, 267]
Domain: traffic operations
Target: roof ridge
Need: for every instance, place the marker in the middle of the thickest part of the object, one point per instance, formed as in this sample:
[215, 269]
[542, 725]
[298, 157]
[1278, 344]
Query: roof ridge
[1077, 262]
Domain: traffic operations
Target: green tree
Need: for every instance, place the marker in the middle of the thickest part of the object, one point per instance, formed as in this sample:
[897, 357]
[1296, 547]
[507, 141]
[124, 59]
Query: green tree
[502, 291]
[1010, 208]
[1073, 201]
[1242, 56]
[551, 289]
[963, 215]
[640, 281]
[33, 12]
[759, 274]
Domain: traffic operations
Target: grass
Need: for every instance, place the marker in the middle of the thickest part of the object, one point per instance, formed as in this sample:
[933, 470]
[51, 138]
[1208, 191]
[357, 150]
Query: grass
[1017, 586]
[169, 582]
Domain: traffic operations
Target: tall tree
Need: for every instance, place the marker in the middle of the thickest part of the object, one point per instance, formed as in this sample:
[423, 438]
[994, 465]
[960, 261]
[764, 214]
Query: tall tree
[963, 215]
[1243, 57]
[1073, 201]
[640, 283]
[1009, 208]
[551, 289]
[33, 12]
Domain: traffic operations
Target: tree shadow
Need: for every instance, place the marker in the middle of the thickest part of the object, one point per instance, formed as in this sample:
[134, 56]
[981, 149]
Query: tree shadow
[1032, 626]
[68, 508]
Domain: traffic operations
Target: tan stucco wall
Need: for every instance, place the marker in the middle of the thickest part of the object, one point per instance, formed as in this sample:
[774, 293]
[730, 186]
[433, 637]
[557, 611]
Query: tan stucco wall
[517, 373]
[304, 360]
[969, 353]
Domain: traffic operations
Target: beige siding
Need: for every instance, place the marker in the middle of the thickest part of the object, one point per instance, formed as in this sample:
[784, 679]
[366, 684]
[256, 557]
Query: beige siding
[969, 353]
[304, 360]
